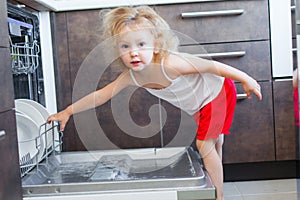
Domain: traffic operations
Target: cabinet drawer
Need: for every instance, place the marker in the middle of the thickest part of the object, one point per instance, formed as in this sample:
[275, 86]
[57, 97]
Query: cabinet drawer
[250, 57]
[219, 21]
[252, 131]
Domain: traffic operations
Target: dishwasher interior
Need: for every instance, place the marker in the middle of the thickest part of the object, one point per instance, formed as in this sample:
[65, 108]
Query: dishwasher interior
[26, 63]
[61, 174]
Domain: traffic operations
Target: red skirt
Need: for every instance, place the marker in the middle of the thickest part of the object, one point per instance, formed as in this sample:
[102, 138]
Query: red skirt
[216, 117]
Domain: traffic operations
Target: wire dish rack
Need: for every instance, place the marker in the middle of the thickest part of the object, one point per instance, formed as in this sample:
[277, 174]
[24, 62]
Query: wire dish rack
[54, 146]
[25, 57]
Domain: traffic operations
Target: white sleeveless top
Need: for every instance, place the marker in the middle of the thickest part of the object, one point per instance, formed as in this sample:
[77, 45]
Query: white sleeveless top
[189, 92]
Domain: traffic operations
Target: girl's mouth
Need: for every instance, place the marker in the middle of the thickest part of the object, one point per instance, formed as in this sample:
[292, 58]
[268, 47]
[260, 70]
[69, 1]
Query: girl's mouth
[135, 63]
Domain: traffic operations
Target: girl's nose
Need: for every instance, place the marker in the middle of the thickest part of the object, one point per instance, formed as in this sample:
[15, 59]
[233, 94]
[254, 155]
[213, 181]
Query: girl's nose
[133, 52]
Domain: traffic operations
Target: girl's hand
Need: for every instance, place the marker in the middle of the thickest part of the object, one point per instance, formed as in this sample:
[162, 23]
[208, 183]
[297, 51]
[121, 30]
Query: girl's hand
[61, 117]
[251, 86]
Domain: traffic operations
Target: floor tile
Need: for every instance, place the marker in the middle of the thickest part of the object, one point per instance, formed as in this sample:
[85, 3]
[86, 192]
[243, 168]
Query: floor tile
[274, 196]
[268, 186]
[233, 198]
[283, 189]
[230, 189]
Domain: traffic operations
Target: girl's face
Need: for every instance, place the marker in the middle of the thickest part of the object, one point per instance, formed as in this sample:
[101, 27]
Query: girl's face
[136, 48]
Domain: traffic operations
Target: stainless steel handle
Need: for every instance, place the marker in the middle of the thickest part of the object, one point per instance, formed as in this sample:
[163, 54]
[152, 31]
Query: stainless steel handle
[2, 134]
[241, 96]
[222, 54]
[212, 13]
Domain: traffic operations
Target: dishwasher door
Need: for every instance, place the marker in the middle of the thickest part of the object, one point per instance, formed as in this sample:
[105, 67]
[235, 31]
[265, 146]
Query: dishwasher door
[152, 173]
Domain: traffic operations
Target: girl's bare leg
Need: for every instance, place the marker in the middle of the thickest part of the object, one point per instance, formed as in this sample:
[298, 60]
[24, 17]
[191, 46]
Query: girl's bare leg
[219, 146]
[212, 164]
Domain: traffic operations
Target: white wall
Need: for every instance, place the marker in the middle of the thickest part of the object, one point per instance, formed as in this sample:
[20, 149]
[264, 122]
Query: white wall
[281, 38]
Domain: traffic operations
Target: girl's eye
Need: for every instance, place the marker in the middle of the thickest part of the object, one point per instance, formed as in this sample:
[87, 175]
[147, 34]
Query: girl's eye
[124, 46]
[142, 44]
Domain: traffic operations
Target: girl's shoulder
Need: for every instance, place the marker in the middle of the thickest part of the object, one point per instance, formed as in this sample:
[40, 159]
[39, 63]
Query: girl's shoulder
[176, 64]
[177, 60]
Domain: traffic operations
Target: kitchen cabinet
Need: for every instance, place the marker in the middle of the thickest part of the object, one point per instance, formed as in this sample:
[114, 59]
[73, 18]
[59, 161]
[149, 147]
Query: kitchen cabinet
[256, 130]
[10, 182]
[252, 131]
[232, 39]
[285, 135]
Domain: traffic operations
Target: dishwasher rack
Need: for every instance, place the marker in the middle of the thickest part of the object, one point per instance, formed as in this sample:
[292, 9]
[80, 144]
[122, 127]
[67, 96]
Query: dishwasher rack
[25, 57]
[46, 131]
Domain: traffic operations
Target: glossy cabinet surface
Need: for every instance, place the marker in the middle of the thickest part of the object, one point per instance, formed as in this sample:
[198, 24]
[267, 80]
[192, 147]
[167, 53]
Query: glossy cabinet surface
[285, 133]
[252, 132]
[219, 21]
[250, 57]
[10, 182]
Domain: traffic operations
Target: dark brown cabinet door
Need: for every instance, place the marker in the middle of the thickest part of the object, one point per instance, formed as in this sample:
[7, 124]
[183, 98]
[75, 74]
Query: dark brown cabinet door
[10, 182]
[252, 132]
[284, 120]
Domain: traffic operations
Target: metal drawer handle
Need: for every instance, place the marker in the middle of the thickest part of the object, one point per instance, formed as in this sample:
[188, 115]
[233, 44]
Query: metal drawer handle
[222, 54]
[212, 13]
[241, 96]
[2, 134]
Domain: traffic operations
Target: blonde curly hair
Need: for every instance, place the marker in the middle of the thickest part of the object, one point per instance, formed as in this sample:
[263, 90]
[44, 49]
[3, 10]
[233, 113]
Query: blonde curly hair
[115, 20]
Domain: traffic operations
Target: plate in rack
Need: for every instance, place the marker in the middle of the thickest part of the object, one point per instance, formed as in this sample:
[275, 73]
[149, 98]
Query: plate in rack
[28, 140]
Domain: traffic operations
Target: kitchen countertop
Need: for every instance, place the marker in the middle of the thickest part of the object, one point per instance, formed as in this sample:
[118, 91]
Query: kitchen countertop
[69, 5]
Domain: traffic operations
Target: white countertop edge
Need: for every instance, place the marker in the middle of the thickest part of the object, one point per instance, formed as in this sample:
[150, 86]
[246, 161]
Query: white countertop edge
[69, 5]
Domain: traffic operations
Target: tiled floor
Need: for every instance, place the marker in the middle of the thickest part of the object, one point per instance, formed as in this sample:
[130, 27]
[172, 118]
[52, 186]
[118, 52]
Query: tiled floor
[283, 189]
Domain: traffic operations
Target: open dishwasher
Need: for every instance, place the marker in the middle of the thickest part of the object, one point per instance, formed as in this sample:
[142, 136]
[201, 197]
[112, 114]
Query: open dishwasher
[151, 173]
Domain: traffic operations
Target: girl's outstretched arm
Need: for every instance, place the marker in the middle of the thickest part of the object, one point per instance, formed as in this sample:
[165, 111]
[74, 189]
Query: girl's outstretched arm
[91, 100]
[181, 64]
[249, 84]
